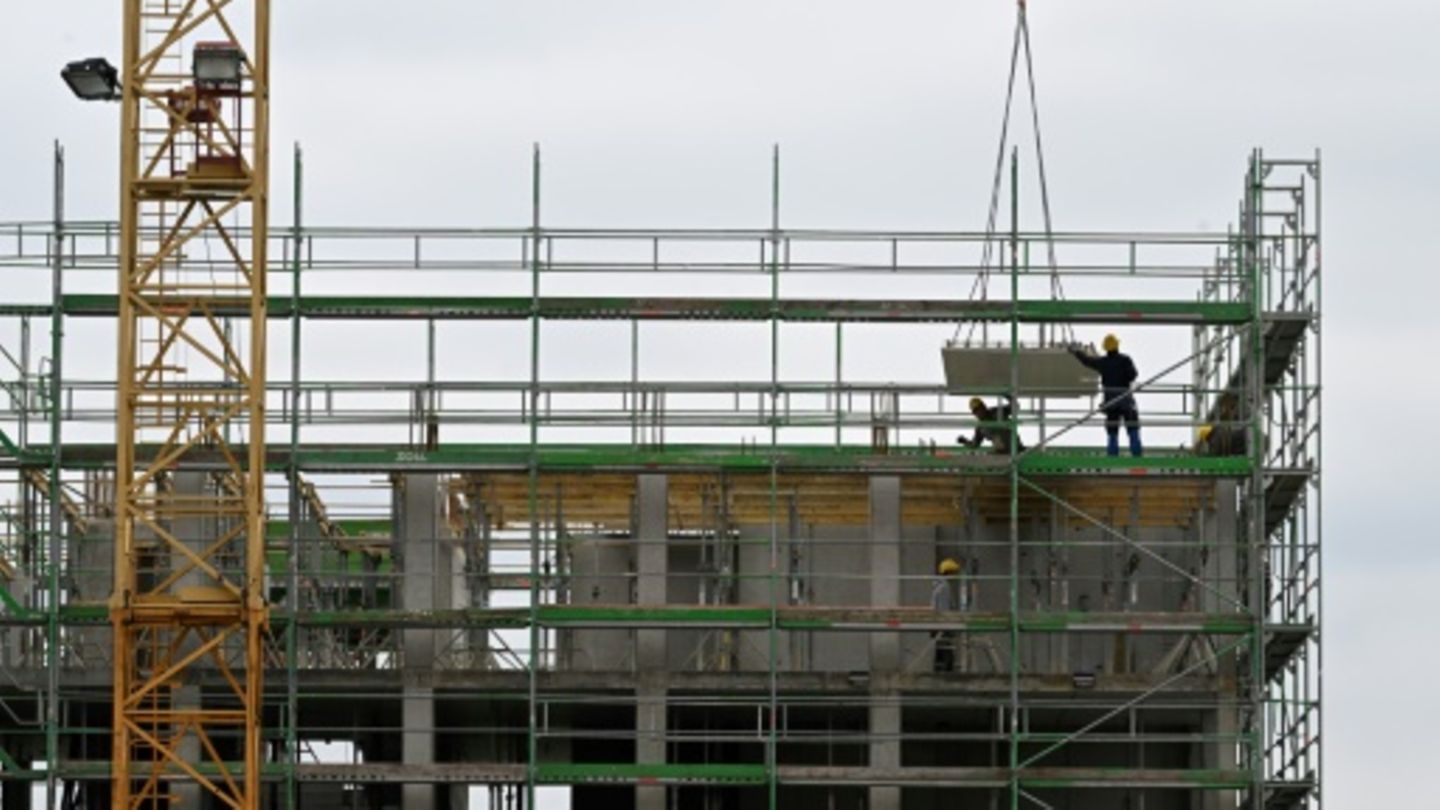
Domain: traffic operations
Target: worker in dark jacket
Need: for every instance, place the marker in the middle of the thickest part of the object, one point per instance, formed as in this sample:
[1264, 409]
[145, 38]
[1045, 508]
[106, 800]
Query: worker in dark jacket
[994, 425]
[1117, 374]
[1226, 435]
[942, 600]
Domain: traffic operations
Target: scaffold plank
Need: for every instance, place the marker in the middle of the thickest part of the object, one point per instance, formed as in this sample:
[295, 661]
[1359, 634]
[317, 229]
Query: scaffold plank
[855, 459]
[623, 773]
[722, 309]
[789, 618]
[564, 773]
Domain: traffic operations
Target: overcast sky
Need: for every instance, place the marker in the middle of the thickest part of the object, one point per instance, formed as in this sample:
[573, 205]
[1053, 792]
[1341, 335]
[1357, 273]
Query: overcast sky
[664, 113]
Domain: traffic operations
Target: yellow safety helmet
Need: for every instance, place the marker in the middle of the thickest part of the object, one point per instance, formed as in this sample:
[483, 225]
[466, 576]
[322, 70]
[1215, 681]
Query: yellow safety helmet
[1111, 343]
[949, 566]
[976, 403]
[1204, 432]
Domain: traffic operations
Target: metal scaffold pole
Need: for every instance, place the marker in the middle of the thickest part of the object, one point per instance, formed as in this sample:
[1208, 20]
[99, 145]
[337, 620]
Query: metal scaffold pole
[533, 490]
[772, 758]
[1319, 607]
[53, 661]
[292, 564]
[1254, 379]
[1013, 521]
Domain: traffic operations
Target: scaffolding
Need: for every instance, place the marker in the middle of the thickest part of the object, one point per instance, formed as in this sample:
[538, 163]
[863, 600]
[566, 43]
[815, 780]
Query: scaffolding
[486, 570]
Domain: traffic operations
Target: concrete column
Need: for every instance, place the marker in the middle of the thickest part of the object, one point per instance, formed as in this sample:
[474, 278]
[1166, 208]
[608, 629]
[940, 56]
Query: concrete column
[1220, 756]
[1222, 536]
[423, 577]
[1221, 570]
[884, 647]
[651, 532]
[650, 726]
[884, 566]
[651, 555]
[885, 721]
[418, 744]
[424, 585]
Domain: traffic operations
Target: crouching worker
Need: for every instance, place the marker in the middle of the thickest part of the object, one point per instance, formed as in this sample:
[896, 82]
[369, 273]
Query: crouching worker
[1226, 436]
[994, 426]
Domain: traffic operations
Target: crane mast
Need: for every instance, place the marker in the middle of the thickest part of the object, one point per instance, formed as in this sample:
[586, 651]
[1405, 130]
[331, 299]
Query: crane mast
[189, 609]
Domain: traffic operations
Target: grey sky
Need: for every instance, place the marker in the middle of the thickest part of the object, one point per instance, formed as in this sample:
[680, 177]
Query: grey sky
[662, 113]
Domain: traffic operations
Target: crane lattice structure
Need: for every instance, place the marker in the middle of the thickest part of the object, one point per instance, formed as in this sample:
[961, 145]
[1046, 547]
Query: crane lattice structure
[189, 591]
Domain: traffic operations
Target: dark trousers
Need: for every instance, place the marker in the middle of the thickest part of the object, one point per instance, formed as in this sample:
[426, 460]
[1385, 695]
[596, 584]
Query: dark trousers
[944, 651]
[1123, 411]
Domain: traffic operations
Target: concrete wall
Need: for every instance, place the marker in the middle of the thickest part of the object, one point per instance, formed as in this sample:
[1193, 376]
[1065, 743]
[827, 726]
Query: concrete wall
[1064, 567]
[1078, 569]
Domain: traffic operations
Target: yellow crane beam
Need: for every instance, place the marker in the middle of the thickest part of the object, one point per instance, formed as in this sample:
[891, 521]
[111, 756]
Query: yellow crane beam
[189, 565]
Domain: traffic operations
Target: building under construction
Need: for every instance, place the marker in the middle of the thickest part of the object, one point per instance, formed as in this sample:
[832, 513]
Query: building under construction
[230, 577]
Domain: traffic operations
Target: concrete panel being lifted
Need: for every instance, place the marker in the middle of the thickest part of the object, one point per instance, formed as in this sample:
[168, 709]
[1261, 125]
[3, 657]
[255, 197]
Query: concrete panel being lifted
[1048, 372]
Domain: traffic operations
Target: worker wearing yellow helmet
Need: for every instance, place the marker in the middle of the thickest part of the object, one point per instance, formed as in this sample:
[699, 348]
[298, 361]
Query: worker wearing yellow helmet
[1117, 375]
[1225, 434]
[942, 599]
[993, 425]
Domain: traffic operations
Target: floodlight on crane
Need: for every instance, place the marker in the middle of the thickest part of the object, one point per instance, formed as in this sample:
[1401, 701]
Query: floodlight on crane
[93, 79]
[218, 66]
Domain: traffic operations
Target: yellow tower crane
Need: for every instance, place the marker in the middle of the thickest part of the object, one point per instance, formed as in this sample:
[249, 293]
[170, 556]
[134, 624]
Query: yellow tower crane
[189, 607]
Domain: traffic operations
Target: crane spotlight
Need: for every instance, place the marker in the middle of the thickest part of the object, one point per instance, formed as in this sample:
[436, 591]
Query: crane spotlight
[93, 79]
[219, 65]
